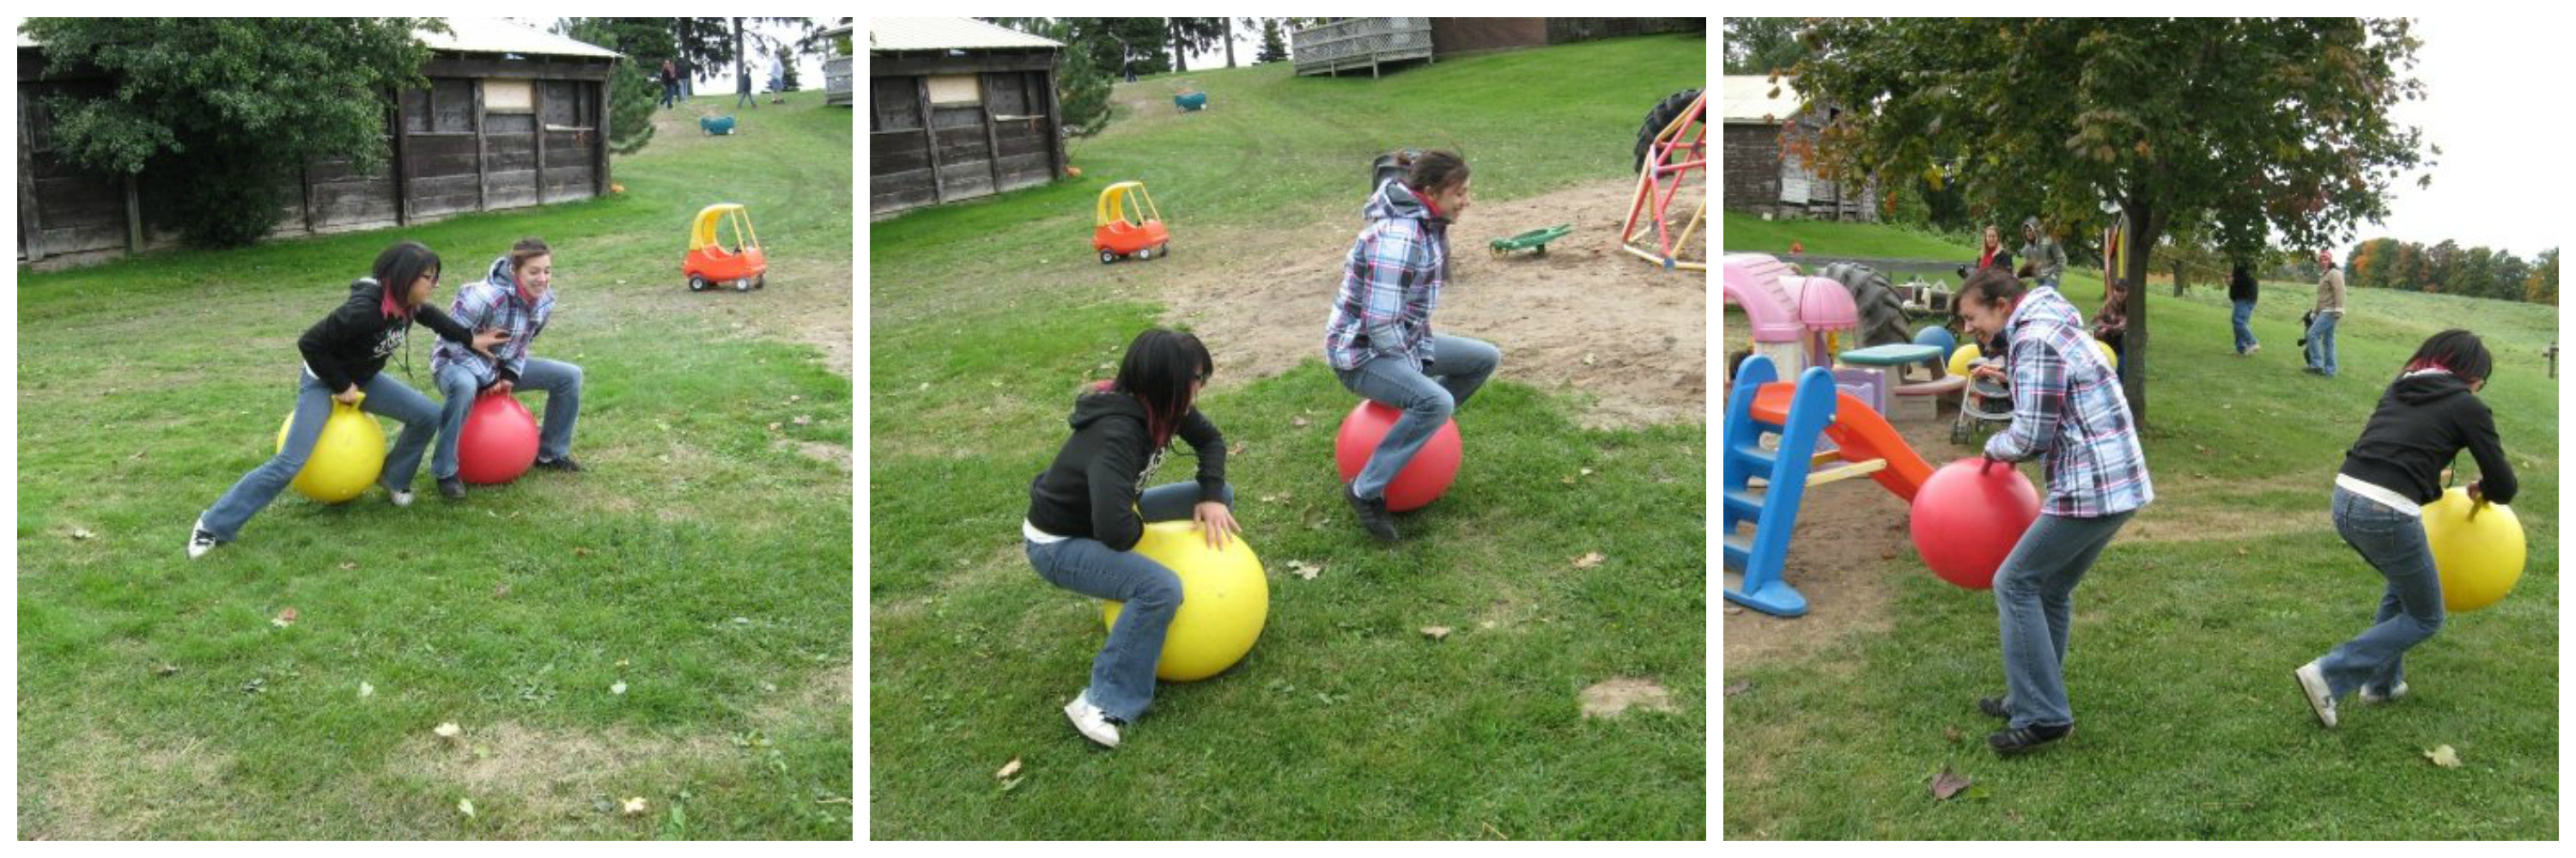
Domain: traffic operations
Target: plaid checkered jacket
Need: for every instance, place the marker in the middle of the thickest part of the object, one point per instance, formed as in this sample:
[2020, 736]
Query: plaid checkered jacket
[2069, 411]
[495, 303]
[1390, 283]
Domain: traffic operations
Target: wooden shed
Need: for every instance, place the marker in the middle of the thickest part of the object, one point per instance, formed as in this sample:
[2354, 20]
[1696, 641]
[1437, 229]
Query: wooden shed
[836, 65]
[1451, 37]
[512, 117]
[958, 109]
[1765, 126]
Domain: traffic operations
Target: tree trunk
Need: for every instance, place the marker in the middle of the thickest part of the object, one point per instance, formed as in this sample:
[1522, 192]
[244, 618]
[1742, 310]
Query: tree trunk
[2145, 226]
[2178, 270]
[1180, 46]
[1229, 43]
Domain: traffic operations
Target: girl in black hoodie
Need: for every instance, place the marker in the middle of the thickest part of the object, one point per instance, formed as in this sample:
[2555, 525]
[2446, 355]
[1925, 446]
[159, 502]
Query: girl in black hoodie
[1088, 509]
[2429, 414]
[344, 355]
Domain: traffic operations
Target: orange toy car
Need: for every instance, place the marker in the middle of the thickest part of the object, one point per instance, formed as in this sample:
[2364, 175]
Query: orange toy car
[711, 263]
[1125, 225]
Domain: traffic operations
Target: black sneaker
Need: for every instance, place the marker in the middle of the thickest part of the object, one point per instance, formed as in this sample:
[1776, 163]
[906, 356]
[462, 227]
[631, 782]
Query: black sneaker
[1994, 706]
[564, 464]
[451, 488]
[201, 540]
[2021, 739]
[1373, 515]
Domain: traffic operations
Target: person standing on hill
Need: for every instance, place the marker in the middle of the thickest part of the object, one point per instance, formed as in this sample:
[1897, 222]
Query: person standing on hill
[2041, 258]
[670, 84]
[2329, 312]
[2241, 291]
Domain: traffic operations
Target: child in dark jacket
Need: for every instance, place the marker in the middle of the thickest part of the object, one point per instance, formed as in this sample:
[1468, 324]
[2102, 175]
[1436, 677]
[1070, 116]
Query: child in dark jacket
[344, 359]
[2427, 416]
[1088, 509]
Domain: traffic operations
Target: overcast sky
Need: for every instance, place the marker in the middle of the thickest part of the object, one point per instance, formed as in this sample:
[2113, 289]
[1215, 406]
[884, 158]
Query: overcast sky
[2494, 104]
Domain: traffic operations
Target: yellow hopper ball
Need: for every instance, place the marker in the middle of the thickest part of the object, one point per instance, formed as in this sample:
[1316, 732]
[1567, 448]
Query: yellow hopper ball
[345, 460]
[2479, 558]
[1962, 356]
[2112, 357]
[1224, 600]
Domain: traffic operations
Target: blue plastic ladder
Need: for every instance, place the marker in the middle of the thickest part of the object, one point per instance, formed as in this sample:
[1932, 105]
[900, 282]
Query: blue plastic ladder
[1773, 512]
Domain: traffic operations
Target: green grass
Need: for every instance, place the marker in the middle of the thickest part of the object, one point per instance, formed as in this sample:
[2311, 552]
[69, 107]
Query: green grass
[2179, 669]
[1345, 720]
[703, 558]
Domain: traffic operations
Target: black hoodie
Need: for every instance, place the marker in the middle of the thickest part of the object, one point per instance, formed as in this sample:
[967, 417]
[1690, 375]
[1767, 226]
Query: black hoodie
[349, 346]
[2423, 422]
[1091, 488]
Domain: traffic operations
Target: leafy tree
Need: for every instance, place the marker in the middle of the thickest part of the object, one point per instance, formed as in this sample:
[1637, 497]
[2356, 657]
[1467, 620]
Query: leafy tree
[1192, 34]
[2541, 285]
[1762, 46]
[703, 43]
[786, 59]
[2252, 125]
[634, 87]
[1274, 42]
[226, 107]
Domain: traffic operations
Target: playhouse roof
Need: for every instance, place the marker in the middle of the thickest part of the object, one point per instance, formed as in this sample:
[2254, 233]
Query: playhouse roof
[504, 36]
[932, 34]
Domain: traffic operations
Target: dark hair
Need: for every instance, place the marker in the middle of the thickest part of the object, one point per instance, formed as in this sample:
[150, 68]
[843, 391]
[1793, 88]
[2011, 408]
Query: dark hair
[1159, 368]
[527, 249]
[1434, 169]
[397, 268]
[1992, 285]
[2458, 351]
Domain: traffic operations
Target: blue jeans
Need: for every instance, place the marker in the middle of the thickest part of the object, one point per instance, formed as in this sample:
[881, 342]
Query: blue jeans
[1122, 675]
[1427, 396]
[2321, 343]
[2244, 319]
[2410, 610]
[385, 396]
[2035, 607]
[562, 384]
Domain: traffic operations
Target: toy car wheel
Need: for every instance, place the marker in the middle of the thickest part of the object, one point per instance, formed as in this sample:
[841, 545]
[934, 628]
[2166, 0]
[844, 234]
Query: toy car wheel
[742, 285]
[697, 283]
[1107, 257]
[1144, 254]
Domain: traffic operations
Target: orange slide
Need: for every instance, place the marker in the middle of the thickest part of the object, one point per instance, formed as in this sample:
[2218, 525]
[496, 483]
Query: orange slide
[1859, 433]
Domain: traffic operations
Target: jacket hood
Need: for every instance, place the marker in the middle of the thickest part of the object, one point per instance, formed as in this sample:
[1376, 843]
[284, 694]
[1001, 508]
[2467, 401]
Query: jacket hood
[501, 275]
[1093, 406]
[2427, 388]
[1394, 200]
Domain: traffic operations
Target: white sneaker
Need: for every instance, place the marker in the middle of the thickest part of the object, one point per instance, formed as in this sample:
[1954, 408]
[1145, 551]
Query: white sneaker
[200, 540]
[2393, 693]
[2312, 683]
[1092, 723]
[400, 497]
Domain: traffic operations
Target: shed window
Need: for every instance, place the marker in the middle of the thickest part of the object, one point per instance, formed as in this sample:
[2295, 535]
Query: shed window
[948, 89]
[508, 96]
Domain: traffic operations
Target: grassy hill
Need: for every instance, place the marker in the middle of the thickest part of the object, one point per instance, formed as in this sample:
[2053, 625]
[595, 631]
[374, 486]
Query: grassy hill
[2187, 629]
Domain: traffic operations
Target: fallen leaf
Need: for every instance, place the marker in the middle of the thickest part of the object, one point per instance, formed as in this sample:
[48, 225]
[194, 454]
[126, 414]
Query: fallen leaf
[1566, 480]
[366, 690]
[742, 621]
[284, 618]
[1008, 769]
[344, 567]
[1586, 472]
[1298, 422]
[81, 533]
[581, 552]
[624, 662]
[773, 426]
[1952, 733]
[1238, 448]
[1436, 632]
[794, 398]
[465, 806]
[1304, 570]
[1945, 784]
[501, 590]
[804, 419]
[164, 669]
[1589, 560]
[449, 730]
[635, 806]
[1735, 688]
[2443, 756]
[619, 688]
[1734, 609]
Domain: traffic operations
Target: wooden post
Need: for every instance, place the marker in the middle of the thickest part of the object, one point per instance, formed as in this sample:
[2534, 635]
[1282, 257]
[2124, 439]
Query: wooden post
[1054, 128]
[992, 136]
[482, 171]
[599, 148]
[402, 161]
[133, 216]
[31, 228]
[304, 181]
[537, 118]
[930, 135]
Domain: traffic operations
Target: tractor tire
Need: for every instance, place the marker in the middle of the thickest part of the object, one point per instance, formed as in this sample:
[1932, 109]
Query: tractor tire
[1656, 119]
[1883, 319]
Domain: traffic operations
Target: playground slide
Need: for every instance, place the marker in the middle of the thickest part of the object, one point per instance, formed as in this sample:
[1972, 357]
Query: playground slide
[1859, 433]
